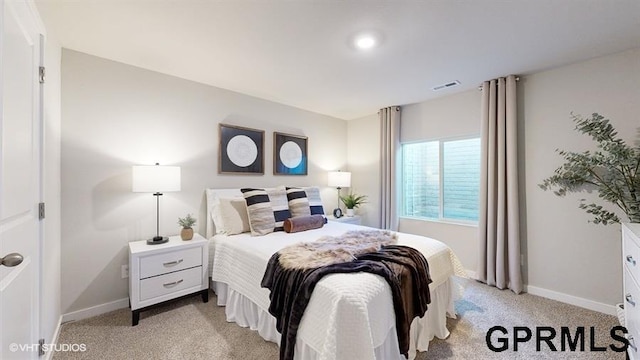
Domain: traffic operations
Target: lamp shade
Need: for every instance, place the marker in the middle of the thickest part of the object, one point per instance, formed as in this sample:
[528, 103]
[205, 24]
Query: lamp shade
[155, 178]
[339, 179]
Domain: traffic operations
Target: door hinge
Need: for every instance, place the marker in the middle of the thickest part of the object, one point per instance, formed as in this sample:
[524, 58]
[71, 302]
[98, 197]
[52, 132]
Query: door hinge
[41, 211]
[41, 347]
[41, 74]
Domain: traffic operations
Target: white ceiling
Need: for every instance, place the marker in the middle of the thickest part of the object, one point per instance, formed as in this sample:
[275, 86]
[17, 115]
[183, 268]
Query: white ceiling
[298, 52]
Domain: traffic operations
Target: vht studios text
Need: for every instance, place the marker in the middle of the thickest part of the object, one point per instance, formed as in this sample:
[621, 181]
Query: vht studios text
[545, 337]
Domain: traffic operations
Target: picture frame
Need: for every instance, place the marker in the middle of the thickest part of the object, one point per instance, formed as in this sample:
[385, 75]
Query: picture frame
[290, 156]
[241, 150]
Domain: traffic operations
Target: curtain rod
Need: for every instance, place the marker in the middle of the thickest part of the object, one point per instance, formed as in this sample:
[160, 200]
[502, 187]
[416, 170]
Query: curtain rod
[480, 87]
[397, 109]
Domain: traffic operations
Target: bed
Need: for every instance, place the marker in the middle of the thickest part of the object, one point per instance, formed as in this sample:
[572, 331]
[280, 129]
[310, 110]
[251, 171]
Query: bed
[349, 316]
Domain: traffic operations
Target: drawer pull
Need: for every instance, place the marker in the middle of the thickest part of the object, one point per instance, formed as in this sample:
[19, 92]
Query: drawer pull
[629, 299]
[172, 263]
[632, 343]
[171, 284]
[631, 260]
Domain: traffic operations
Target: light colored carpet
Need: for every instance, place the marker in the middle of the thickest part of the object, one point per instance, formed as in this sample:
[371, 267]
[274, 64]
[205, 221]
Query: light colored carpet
[191, 329]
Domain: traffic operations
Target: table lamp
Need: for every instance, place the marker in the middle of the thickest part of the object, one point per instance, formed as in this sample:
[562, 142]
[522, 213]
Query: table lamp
[156, 179]
[339, 179]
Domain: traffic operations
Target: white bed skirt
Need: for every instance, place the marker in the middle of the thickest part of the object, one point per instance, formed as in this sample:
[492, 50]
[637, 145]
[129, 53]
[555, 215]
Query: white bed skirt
[245, 313]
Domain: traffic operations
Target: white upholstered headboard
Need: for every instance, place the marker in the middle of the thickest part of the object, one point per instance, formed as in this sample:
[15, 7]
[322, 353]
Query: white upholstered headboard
[212, 197]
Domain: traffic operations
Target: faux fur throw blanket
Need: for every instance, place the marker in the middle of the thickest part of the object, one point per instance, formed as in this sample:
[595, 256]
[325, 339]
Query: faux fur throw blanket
[404, 268]
[334, 249]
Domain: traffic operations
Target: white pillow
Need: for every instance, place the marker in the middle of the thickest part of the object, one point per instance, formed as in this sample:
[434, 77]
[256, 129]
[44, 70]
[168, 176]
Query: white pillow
[232, 213]
[216, 211]
[216, 214]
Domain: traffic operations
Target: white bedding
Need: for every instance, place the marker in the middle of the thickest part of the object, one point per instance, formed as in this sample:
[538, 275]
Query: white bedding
[349, 316]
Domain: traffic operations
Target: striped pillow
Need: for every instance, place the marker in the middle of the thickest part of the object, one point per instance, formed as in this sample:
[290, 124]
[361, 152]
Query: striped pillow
[267, 209]
[315, 202]
[261, 219]
[298, 202]
[280, 206]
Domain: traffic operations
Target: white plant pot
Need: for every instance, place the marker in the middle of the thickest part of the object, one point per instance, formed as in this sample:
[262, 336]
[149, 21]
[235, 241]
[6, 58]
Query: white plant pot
[350, 212]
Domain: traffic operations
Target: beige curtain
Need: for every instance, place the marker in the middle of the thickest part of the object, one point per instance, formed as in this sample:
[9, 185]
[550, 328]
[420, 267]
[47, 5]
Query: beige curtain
[389, 166]
[499, 260]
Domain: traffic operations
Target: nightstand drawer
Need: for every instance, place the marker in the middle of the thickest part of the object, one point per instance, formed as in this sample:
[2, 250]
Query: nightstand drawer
[356, 219]
[632, 311]
[168, 262]
[170, 283]
[631, 254]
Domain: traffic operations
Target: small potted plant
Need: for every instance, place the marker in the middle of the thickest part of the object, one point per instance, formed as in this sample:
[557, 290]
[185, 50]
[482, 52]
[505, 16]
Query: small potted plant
[353, 201]
[187, 231]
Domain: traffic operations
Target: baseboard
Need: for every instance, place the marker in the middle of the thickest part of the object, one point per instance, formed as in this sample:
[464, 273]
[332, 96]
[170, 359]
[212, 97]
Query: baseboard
[471, 274]
[573, 300]
[95, 310]
[49, 354]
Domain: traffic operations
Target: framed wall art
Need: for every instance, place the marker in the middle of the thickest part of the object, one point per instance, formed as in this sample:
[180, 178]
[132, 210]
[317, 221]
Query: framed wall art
[289, 154]
[241, 150]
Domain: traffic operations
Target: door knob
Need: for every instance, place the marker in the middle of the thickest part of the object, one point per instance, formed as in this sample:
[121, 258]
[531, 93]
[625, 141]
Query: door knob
[10, 260]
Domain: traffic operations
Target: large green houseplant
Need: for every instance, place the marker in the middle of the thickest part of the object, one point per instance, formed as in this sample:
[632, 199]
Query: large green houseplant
[613, 171]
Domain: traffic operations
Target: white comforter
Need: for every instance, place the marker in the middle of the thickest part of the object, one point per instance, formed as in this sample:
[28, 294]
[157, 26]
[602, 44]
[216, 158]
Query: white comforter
[349, 315]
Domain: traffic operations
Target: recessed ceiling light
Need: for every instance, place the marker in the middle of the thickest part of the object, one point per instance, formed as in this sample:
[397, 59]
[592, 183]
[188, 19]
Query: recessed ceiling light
[365, 42]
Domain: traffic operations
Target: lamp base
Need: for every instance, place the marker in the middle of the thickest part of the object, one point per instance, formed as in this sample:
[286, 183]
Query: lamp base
[157, 240]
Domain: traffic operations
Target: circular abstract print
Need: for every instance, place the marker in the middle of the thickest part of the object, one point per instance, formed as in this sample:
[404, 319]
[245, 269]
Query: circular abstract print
[242, 151]
[290, 154]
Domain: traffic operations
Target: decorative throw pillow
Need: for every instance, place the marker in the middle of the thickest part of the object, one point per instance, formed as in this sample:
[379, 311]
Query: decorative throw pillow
[216, 215]
[303, 223]
[298, 202]
[280, 206]
[259, 211]
[315, 202]
[233, 213]
[267, 209]
[214, 209]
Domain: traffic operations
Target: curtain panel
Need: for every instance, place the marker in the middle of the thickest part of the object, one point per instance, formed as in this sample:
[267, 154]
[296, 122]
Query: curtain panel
[389, 167]
[499, 223]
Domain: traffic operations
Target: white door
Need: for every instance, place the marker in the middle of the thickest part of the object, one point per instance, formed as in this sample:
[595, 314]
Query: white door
[20, 179]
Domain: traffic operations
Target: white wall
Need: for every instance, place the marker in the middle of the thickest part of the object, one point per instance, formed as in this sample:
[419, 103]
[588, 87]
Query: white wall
[363, 151]
[564, 254]
[115, 116]
[451, 116]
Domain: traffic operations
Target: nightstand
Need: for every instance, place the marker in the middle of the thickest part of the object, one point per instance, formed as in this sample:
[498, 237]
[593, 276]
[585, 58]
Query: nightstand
[158, 273]
[356, 219]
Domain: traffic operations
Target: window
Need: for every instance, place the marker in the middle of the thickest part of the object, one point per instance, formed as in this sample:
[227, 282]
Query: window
[441, 179]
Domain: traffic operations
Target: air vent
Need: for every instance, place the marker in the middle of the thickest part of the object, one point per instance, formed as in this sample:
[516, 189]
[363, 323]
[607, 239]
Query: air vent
[447, 85]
